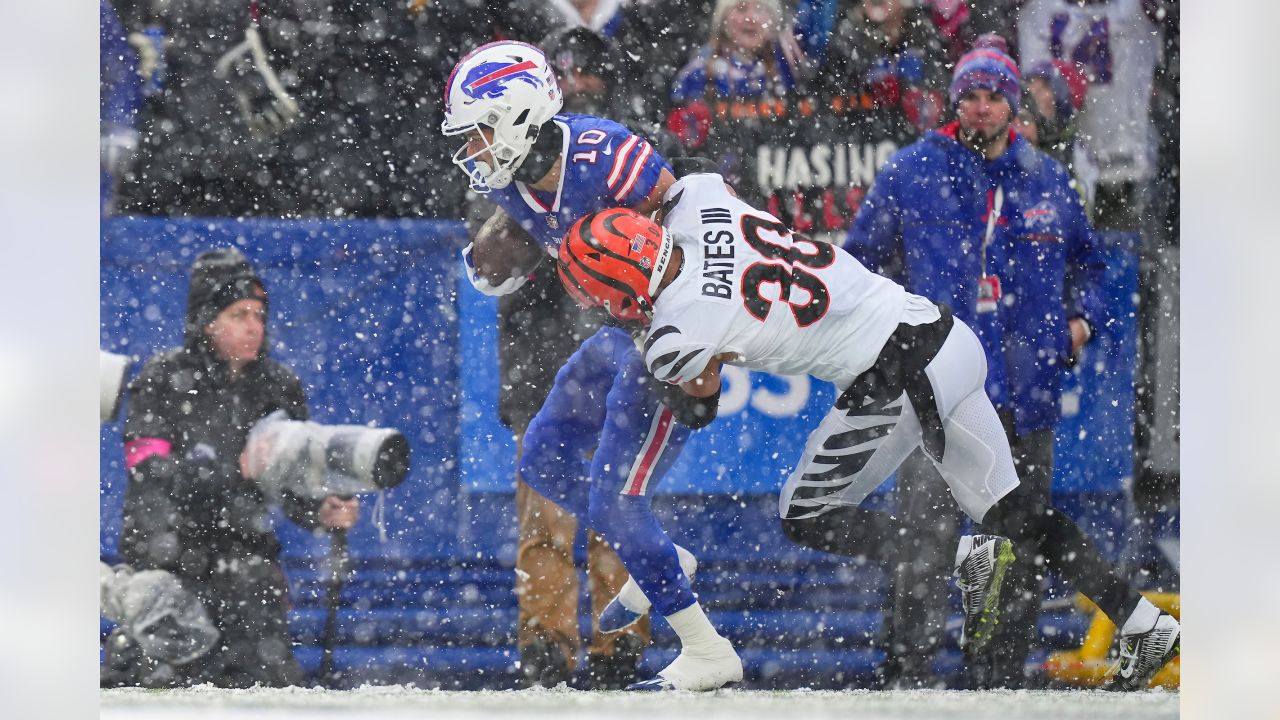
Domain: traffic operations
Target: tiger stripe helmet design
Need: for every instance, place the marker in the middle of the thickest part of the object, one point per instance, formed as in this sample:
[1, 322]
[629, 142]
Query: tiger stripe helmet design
[615, 259]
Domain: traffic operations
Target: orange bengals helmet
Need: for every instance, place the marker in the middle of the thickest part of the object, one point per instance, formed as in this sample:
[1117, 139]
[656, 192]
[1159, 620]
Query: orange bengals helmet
[615, 259]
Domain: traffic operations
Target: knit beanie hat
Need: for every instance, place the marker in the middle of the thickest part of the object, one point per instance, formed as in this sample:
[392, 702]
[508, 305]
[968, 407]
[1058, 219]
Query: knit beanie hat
[1068, 84]
[987, 68]
[218, 279]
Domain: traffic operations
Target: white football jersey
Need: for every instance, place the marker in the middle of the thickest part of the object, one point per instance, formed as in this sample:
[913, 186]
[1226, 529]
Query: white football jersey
[779, 302]
[1118, 46]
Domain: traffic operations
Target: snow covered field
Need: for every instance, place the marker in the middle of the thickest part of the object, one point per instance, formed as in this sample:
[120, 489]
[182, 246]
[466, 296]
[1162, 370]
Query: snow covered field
[401, 702]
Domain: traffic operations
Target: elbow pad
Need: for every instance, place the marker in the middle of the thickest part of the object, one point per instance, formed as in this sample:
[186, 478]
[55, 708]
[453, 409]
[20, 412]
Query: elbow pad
[692, 412]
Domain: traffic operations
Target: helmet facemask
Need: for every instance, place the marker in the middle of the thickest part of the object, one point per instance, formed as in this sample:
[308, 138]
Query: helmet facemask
[503, 153]
[503, 92]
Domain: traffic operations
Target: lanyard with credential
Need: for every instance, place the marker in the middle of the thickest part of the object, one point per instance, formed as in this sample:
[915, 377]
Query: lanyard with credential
[989, 285]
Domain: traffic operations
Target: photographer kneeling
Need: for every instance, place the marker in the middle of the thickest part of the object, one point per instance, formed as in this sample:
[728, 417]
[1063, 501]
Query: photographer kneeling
[189, 508]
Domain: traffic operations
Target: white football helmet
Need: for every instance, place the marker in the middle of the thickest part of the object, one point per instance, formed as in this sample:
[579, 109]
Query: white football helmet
[507, 88]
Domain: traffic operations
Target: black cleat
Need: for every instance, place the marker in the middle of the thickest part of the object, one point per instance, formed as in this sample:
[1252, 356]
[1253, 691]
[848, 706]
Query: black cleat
[543, 664]
[616, 671]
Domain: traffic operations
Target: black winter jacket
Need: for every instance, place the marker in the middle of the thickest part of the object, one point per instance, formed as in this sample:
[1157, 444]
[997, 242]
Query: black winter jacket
[189, 509]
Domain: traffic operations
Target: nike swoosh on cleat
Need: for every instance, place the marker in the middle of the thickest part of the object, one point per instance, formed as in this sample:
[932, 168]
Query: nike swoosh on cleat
[657, 683]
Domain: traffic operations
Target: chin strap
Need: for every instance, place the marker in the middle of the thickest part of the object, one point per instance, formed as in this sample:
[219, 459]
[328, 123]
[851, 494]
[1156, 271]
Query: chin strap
[543, 155]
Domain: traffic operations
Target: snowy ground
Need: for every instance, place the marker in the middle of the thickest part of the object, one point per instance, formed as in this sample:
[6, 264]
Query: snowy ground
[400, 702]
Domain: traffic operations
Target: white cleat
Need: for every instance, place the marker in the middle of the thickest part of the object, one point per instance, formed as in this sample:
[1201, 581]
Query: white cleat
[1149, 639]
[706, 667]
[630, 604]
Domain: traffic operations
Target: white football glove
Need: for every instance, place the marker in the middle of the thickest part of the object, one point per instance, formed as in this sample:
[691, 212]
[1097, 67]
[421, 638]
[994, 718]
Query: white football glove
[506, 287]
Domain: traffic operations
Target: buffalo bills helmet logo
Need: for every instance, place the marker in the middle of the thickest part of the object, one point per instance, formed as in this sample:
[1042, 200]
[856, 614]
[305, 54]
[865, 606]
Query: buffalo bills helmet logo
[490, 80]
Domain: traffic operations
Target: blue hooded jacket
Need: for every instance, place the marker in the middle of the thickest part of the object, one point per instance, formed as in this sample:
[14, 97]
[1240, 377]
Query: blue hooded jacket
[923, 223]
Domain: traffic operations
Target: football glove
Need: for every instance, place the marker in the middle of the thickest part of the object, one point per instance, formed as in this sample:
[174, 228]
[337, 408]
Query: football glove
[506, 287]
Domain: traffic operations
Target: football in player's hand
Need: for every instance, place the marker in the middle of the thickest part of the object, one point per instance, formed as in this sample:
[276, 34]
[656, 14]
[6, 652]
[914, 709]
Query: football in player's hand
[502, 249]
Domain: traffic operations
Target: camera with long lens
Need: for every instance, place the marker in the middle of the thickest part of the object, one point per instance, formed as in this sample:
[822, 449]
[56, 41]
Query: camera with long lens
[314, 460]
[112, 369]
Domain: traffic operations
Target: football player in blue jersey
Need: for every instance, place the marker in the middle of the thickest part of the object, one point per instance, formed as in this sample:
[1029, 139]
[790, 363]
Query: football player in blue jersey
[604, 437]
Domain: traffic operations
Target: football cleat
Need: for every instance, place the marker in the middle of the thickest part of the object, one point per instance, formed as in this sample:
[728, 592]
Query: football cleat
[708, 666]
[981, 562]
[617, 670]
[630, 604]
[543, 663]
[1144, 652]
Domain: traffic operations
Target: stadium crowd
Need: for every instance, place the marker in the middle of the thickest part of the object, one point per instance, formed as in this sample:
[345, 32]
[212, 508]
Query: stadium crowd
[298, 109]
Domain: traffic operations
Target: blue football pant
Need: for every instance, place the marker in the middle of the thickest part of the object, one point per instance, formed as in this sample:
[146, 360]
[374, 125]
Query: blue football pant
[599, 446]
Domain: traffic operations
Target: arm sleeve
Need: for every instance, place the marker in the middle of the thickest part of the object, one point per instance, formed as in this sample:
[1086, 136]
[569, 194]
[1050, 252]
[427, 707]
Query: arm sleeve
[148, 537]
[874, 236]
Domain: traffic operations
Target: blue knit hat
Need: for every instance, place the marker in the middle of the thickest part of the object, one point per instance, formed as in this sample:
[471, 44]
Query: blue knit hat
[987, 68]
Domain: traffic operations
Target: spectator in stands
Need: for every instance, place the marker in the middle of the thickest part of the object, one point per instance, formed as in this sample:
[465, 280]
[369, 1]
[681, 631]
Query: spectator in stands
[751, 54]
[732, 85]
[1054, 92]
[356, 72]
[956, 22]
[119, 99]
[961, 22]
[648, 50]
[975, 217]
[588, 65]
[189, 509]
[600, 16]
[1117, 46]
[891, 51]
[654, 49]
[197, 155]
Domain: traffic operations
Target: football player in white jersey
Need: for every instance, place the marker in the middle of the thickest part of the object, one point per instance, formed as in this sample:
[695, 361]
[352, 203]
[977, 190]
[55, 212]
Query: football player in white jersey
[720, 281]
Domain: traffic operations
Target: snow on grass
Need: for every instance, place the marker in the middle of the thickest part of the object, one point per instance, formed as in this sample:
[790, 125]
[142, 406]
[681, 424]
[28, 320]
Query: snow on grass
[397, 702]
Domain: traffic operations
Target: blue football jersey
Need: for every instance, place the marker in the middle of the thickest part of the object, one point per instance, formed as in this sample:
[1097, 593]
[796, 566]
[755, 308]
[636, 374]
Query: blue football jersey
[603, 165]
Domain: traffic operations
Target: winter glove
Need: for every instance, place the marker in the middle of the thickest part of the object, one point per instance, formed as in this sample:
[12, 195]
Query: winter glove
[264, 104]
[506, 287]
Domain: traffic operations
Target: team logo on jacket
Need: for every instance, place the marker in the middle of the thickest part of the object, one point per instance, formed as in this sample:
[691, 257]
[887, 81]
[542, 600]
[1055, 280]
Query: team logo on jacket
[490, 80]
[1041, 216]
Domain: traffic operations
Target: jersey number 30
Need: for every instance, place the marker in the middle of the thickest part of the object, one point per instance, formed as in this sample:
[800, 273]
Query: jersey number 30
[789, 271]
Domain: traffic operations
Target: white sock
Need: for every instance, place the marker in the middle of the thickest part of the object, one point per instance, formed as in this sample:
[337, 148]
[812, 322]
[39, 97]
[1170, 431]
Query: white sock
[963, 549]
[1142, 619]
[693, 627]
[633, 598]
